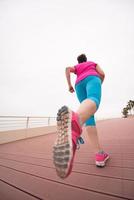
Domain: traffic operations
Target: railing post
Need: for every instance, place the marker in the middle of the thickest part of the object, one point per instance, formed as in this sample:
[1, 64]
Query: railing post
[27, 124]
[48, 121]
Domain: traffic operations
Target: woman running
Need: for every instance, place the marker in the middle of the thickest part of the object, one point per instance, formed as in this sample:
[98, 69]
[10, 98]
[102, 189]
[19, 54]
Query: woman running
[69, 124]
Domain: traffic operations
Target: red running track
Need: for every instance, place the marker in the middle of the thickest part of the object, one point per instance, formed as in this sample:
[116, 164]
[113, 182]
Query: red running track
[27, 171]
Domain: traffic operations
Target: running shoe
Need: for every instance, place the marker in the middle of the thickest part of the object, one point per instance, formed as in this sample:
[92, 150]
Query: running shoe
[101, 158]
[64, 149]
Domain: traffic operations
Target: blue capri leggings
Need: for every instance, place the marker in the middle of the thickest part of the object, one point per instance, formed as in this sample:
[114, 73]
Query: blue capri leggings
[89, 88]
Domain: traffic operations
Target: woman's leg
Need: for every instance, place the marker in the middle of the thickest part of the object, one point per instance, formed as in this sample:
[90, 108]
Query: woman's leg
[93, 138]
[86, 109]
[85, 112]
[90, 100]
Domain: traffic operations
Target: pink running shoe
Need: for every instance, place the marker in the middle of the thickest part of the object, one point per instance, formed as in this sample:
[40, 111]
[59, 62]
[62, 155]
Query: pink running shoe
[101, 158]
[64, 149]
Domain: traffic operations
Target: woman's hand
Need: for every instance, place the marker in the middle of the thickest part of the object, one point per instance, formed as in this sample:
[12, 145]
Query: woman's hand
[71, 89]
[68, 71]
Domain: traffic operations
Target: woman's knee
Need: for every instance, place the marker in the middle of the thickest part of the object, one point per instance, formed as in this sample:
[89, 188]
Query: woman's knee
[91, 121]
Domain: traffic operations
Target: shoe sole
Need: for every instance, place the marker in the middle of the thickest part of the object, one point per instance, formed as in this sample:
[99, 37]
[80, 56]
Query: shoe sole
[101, 163]
[63, 147]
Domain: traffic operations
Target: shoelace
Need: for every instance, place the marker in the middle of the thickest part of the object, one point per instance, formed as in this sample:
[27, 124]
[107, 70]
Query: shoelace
[79, 141]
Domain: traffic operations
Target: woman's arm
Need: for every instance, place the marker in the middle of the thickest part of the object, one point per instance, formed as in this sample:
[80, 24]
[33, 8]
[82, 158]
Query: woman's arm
[67, 72]
[101, 72]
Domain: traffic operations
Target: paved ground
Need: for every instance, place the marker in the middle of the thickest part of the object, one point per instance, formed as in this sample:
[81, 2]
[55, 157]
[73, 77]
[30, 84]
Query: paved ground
[27, 171]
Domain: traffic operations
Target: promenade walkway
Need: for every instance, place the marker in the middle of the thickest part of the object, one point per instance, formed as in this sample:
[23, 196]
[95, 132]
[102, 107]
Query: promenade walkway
[27, 171]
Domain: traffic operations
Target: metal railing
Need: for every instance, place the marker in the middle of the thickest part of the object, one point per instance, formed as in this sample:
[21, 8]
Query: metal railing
[25, 122]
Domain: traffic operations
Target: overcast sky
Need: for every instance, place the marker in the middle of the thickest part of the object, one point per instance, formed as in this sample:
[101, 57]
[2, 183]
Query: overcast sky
[39, 38]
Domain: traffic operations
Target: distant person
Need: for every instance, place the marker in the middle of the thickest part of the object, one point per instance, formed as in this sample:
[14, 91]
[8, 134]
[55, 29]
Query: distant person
[69, 124]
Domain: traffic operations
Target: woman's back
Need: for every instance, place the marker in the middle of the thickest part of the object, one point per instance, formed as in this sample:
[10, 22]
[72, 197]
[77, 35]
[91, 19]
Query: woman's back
[85, 69]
